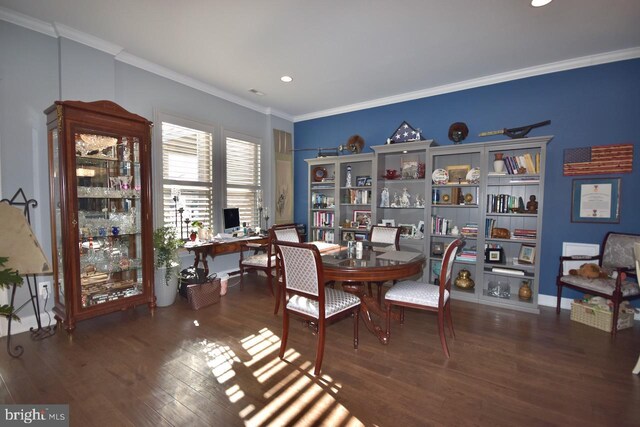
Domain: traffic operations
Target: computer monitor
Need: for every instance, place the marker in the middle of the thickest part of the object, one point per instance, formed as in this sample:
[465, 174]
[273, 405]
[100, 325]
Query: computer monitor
[231, 220]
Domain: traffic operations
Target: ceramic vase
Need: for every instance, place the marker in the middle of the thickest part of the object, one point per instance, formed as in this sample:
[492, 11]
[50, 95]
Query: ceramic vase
[525, 291]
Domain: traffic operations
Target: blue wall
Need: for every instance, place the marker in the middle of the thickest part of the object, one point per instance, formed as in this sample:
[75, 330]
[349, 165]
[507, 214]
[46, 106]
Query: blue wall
[597, 105]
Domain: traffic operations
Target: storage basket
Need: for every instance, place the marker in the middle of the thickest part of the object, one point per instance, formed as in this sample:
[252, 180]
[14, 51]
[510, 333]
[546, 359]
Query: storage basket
[597, 317]
[204, 294]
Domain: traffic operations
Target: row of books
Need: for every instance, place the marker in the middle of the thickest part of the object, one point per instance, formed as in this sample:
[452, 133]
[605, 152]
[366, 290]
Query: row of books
[469, 230]
[440, 225]
[324, 236]
[503, 203]
[321, 201]
[467, 254]
[527, 161]
[359, 197]
[323, 219]
[524, 233]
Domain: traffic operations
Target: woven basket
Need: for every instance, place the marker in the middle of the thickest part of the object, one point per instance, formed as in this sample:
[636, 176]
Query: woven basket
[598, 318]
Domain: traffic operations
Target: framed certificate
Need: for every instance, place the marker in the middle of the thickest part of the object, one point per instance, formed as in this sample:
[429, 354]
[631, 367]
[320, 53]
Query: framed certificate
[596, 200]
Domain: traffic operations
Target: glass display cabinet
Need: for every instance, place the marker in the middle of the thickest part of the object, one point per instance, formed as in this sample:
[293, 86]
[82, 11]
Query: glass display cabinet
[102, 228]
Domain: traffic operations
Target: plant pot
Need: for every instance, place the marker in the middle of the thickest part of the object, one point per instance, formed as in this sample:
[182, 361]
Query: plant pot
[166, 293]
[193, 236]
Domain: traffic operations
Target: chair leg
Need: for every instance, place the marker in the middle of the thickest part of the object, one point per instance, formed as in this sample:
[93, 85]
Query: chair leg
[320, 349]
[636, 370]
[269, 281]
[402, 315]
[388, 320]
[278, 295]
[614, 321]
[379, 293]
[285, 332]
[559, 293]
[370, 291]
[447, 312]
[443, 338]
[356, 321]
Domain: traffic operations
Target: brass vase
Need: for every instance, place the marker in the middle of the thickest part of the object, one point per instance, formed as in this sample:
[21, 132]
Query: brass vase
[525, 291]
[464, 281]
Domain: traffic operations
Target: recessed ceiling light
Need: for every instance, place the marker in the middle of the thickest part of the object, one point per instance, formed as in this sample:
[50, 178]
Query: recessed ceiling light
[286, 79]
[256, 92]
[540, 3]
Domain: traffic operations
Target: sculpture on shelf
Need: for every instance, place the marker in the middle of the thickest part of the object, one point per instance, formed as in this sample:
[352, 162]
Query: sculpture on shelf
[348, 181]
[405, 199]
[532, 205]
[396, 201]
[419, 201]
[384, 198]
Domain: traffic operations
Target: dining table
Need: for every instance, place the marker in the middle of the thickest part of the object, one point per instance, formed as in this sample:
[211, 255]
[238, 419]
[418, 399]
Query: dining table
[374, 264]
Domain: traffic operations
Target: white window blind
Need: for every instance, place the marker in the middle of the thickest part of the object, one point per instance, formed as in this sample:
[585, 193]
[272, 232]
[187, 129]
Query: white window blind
[187, 173]
[243, 178]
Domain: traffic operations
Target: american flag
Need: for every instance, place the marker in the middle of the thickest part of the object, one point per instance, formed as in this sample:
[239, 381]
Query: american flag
[405, 133]
[602, 159]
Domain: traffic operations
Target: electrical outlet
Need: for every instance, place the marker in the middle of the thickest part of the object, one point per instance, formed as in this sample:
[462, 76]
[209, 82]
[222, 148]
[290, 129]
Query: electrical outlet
[44, 288]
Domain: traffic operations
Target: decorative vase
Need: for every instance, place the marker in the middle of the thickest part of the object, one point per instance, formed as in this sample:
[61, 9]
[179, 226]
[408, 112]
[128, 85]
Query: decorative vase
[525, 291]
[498, 165]
[464, 281]
[193, 236]
[165, 292]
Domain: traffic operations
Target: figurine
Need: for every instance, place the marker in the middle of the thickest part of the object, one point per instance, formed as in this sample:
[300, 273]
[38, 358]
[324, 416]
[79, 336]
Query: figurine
[384, 198]
[348, 183]
[396, 201]
[405, 201]
[532, 205]
[419, 201]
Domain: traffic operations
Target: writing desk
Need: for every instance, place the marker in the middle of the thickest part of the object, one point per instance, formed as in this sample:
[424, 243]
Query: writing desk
[373, 266]
[220, 247]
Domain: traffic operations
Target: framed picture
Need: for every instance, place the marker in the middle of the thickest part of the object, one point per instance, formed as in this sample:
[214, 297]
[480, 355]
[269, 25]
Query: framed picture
[420, 230]
[388, 222]
[409, 167]
[360, 237]
[494, 255]
[363, 218]
[407, 231]
[458, 174]
[367, 182]
[361, 181]
[527, 254]
[596, 200]
[437, 248]
[348, 236]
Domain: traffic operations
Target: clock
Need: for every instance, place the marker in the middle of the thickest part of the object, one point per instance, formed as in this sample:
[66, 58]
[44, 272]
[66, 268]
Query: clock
[319, 173]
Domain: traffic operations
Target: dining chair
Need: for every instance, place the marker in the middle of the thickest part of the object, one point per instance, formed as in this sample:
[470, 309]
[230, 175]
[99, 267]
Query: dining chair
[636, 252]
[617, 260]
[263, 259]
[425, 296]
[384, 234]
[283, 233]
[306, 296]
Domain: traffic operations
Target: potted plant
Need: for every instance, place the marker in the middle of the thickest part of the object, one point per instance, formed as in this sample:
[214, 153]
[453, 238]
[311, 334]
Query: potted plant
[166, 244]
[8, 277]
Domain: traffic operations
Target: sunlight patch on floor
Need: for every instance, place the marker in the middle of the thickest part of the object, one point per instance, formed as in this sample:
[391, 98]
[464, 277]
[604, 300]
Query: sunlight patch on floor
[220, 359]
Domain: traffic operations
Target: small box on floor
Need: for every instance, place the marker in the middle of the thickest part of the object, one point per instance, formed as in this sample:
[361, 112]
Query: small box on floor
[599, 317]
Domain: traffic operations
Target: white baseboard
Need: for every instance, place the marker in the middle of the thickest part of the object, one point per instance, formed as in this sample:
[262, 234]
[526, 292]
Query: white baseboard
[25, 323]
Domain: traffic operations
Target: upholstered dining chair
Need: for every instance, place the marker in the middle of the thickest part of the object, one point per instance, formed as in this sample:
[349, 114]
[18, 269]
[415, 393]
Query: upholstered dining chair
[617, 260]
[636, 251]
[381, 234]
[305, 295]
[283, 233]
[425, 296]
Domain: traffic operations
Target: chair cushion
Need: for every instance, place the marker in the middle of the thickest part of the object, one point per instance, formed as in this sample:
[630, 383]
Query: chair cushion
[335, 301]
[259, 260]
[416, 293]
[605, 286]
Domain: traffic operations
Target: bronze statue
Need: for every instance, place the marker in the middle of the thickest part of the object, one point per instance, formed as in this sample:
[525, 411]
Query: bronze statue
[532, 205]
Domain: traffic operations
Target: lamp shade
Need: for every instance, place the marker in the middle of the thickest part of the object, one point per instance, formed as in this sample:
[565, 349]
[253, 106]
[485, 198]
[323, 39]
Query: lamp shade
[19, 244]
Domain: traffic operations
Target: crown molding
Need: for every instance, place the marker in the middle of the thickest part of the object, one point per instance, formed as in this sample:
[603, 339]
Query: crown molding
[87, 39]
[570, 64]
[26, 21]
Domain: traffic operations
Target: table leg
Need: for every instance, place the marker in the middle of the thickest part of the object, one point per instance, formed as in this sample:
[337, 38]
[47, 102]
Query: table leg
[369, 306]
[201, 257]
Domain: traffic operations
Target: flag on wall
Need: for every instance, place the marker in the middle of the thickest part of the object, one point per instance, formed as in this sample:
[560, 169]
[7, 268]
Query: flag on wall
[405, 133]
[615, 158]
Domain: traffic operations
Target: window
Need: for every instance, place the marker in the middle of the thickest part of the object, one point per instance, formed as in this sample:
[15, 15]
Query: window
[243, 177]
[187, 176]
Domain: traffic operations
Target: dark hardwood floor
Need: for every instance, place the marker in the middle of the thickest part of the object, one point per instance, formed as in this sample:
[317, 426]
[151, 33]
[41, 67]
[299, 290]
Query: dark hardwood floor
[219, 367]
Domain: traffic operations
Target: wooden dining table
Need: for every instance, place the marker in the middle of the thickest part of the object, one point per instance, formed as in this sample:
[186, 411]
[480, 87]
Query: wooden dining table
[377, 264]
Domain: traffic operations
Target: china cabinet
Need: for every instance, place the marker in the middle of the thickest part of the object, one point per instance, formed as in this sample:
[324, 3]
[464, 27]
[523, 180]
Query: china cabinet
[100, 190]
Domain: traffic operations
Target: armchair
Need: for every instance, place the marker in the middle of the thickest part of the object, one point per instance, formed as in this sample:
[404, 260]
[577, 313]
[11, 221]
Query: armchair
[616, 257]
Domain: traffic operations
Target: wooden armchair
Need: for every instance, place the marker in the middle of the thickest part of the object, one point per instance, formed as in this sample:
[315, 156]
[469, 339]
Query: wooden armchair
[284, 233]
[617, 259]
[263, 259]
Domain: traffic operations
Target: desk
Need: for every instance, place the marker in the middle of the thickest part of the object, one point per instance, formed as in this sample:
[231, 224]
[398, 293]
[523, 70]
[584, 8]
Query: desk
[220, 247]
[372, 267]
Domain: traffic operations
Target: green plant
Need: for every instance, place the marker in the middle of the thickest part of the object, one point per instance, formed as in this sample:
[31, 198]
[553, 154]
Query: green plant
[8, 277]
[166, 244]
[197, 224]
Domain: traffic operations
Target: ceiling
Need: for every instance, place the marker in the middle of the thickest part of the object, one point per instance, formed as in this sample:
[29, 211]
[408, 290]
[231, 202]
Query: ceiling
[345, 55]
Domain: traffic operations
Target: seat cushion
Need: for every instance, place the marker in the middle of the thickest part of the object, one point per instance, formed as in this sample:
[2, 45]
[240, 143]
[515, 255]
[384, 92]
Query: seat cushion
[605, 286]
[335, 301]
[414, 292]
[259, 260]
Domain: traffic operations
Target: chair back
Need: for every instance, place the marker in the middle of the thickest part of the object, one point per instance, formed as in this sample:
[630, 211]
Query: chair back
[285, 233]
[636, 249]
[447, 265]
[618, 250]
[382, 234]
[301, 268]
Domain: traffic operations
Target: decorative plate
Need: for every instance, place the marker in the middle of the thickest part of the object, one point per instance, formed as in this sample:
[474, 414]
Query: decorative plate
[319, 173]
[440, 176]
[473, 176]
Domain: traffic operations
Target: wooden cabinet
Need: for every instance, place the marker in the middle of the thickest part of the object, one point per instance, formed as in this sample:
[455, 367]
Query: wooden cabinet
[498, 207]
[101, 211]
[340, 197]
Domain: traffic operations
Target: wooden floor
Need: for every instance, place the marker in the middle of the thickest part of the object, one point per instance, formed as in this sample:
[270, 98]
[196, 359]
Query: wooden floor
[219, 367]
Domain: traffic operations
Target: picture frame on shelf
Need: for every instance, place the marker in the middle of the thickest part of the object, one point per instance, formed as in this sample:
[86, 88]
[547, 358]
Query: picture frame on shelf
[527, 254]
[361, 181]
[409, 167]
[348, 236]
[420, 230]
[362, 217]
[596, 200]
[367, 182]
[407, 231]
[494, 256]
[458, 173]
[388, 222]
[437, 248]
